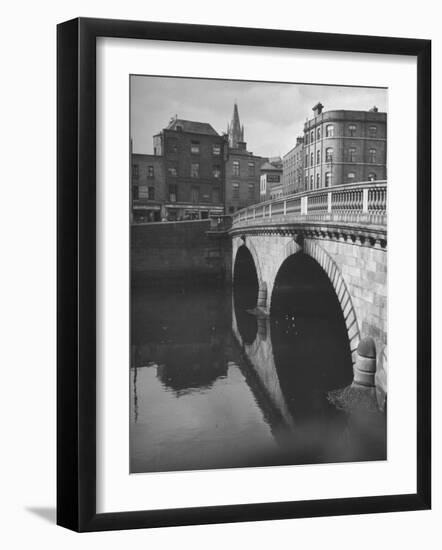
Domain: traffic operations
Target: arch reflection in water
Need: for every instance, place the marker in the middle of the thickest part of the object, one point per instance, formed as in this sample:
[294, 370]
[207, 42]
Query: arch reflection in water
[216, 386]
[303, 355]
[192, 403]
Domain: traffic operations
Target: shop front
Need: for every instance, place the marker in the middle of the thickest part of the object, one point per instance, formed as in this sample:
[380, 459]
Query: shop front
[185, 212]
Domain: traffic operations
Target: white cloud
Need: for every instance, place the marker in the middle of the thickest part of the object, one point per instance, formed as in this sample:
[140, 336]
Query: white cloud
[273, 114]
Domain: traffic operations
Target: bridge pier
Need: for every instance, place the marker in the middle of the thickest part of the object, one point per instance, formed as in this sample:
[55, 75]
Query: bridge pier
[344, 229]
[262, 297]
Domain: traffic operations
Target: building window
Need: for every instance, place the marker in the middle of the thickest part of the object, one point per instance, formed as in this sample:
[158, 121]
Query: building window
[352, 130]
[172, 170]
[372, 176]
[251, 191]
[216, 149]
[251, 168]
[235, 190]
[311, 159]
[351, 176]
[311, 182]
[318, 133]
[195, 195]
[135, 192]
[195, 170]
[151, 193]
[318, 157]
[142, 192]
[231, 209]
[150, 172]
[195, 147]
[372, 155]
[312, 136]
[306, 161]
[306, 182]
[135, 171]
[173, 193]
[318, 181]
[329, 154]
[372, 131]
[172, 145]
[215, 195]
[216, 171]
[352, 154]
[329, 130]
[235, 168]
[328, 179]
[306, 138]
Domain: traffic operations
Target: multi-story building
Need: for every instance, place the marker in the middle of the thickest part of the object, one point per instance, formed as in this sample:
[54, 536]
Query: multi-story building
[194, 162]
[293, 169]
[148, 191]
[242, 169]
[344, 147]
[271, 180]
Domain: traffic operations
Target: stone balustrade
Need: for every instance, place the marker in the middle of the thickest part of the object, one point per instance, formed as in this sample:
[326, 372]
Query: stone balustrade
[361, 203]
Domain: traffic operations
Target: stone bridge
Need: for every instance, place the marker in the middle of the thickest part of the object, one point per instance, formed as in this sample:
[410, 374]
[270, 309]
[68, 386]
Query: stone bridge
[343, 231]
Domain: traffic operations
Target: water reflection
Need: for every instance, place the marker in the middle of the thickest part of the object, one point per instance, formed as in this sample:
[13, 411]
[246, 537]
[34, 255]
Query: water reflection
[214, 386]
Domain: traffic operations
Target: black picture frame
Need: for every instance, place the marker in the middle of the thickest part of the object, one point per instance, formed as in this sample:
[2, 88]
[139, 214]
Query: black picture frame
[76, 273]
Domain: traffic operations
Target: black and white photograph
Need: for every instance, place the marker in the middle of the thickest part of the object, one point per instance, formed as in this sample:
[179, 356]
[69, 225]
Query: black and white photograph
[220, 328]
[258, 273]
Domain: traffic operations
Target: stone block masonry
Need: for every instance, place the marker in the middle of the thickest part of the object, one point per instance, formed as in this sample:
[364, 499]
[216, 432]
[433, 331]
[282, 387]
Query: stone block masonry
[182, 251]
[357, 272]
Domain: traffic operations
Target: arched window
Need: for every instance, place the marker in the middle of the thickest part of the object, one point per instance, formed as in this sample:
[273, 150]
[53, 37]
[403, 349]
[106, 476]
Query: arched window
[372, 176]
[311, 159]
[372, 131]
[352, 130]
[311, 182]
[329, 154]
[372, 155]
[306, 160]
[351, 176]
[318, 181]
[312, 136]
[352, 154]
[329, 130]
[318, 157]
[318, 133]
[328, 179]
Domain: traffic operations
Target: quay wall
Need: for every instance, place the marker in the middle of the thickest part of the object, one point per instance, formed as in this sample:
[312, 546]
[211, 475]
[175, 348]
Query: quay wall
[184, 251]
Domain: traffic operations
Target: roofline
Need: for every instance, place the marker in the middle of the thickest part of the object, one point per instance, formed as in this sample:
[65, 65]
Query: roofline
[339, 111]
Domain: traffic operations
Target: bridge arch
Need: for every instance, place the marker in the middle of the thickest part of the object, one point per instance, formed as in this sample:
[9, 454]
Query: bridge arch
[261, 298]
[247, 243]
[314, 250]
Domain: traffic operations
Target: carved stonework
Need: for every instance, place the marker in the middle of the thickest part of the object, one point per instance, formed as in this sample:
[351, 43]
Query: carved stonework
[356, 235]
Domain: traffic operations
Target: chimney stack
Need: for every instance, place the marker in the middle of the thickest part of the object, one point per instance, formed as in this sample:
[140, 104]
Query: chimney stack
[317, 109]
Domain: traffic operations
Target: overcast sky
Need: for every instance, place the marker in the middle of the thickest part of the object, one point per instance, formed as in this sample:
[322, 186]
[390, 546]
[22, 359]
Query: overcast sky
[272, 114]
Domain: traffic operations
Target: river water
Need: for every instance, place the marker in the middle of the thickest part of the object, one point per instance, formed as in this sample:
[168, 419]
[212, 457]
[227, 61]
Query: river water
[218, 386]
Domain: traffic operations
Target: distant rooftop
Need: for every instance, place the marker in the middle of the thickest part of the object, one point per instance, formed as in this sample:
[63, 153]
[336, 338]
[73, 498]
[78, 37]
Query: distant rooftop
[178, 124]
[267, 166]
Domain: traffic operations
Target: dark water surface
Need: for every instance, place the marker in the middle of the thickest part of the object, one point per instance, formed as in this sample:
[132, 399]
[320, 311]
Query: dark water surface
[216, 386]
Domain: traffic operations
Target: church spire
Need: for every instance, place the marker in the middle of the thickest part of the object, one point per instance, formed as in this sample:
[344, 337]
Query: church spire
[235, 131]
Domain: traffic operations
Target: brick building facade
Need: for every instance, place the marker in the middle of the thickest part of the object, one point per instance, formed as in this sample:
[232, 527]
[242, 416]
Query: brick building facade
[194, 155]
[293, 169]
[242, 169]
[344, 147]
[148, 190]
[271, 180]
